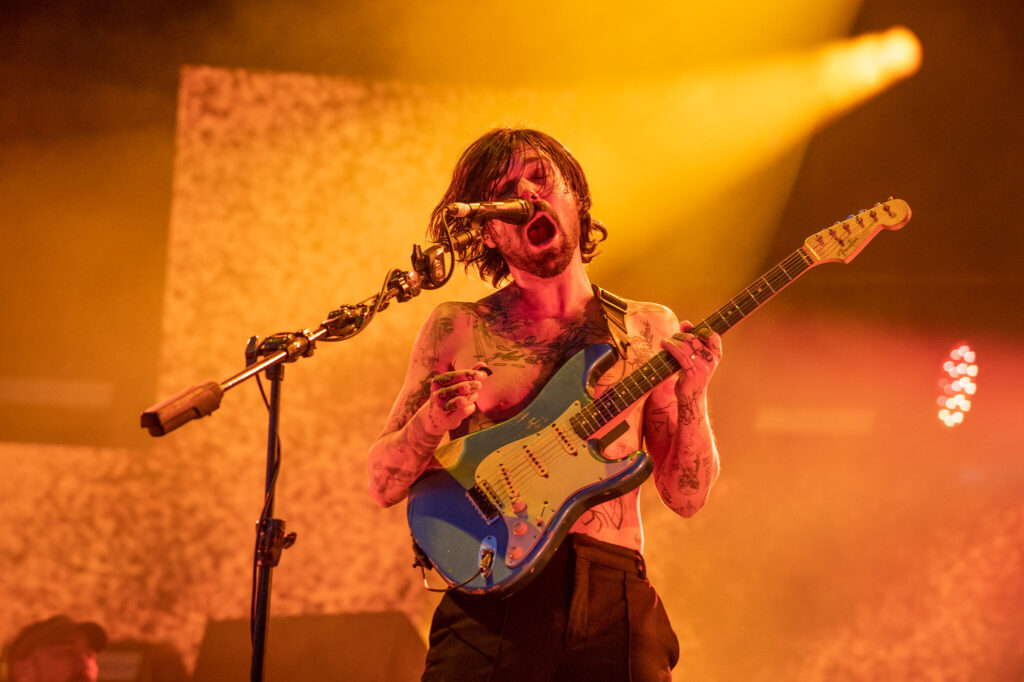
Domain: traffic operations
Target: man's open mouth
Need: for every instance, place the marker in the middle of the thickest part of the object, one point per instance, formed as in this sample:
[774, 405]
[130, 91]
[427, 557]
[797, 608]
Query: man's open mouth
[541, 230]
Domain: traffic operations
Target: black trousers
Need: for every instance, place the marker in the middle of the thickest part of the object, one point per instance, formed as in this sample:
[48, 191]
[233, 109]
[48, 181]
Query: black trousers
[590, 615]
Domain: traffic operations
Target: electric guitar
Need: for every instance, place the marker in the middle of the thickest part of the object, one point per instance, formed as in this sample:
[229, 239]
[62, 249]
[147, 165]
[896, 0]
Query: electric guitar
[506, 496]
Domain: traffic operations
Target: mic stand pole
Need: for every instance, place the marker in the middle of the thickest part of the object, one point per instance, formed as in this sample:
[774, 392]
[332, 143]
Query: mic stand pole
[341, 324]
[270, 537]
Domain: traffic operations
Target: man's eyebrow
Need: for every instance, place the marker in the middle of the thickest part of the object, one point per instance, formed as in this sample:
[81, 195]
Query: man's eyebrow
[531, 158]
[505, 181]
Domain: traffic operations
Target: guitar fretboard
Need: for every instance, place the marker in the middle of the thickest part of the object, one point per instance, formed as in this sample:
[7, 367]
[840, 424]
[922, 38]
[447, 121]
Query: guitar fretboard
[663, 365]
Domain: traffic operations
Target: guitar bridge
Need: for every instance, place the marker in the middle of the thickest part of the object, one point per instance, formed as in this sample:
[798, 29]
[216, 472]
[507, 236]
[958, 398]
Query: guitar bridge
[485, 502]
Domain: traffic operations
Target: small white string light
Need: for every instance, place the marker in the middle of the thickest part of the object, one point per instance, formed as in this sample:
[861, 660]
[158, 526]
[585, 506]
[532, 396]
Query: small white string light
[957, 384]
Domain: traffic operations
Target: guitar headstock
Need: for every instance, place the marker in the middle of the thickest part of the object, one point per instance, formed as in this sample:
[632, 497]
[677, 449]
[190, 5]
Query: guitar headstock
[845, 239]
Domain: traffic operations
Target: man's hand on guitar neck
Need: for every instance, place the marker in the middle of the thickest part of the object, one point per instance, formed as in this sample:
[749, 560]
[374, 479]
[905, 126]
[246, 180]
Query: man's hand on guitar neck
[684, 452]
[698, 356]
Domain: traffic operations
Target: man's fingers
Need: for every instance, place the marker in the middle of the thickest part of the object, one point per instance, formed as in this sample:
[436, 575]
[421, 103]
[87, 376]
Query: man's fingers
[681, 351]
[458, 375]
[703, 343]
[455, 393]
[462, 388]
[460, 403]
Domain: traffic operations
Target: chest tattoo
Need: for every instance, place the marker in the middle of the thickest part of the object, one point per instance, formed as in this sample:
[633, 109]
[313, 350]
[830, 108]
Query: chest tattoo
[501, 341]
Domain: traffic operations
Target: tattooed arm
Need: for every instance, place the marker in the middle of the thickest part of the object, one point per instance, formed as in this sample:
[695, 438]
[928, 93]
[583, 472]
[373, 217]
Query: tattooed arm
[430, 404]
[676, 424]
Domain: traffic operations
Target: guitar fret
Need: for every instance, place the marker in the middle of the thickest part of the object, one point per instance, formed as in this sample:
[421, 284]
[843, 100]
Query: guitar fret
[662, 365]
[668, 365]
[767, 284]
[725, 321]
[629, 385]
[617, 400]
[581, 423]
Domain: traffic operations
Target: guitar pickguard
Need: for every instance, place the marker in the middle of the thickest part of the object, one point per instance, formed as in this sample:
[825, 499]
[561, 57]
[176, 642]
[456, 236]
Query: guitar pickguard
[531, 478]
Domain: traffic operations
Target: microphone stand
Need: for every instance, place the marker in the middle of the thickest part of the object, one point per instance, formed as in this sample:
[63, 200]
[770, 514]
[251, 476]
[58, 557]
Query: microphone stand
[428, 272]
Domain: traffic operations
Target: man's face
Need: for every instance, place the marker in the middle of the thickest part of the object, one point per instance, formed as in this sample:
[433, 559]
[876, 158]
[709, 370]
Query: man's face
[70, 661]
[545, 245]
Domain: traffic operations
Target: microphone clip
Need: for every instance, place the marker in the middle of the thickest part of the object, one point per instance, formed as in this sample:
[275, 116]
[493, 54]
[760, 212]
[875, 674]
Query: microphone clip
[429, 265]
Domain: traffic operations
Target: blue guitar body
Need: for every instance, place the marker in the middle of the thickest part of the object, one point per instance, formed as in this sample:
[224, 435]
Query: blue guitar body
[507, 496]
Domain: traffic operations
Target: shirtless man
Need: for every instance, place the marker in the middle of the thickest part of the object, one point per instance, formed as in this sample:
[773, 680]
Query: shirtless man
[590, 614]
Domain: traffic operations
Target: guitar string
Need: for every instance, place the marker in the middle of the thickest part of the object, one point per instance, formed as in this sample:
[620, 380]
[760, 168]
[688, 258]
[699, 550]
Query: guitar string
[549, 443]
[542, 450]
[777, 275]
[612, 395]
[605, 408]
[550, 451]
[610, 404]
[557, 460]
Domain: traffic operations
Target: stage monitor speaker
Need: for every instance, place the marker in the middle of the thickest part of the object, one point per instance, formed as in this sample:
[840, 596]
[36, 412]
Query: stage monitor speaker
[354, 647]
[129, 660]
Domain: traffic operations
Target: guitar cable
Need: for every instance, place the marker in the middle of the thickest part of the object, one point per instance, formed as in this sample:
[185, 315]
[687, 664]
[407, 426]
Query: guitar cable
[423, 563]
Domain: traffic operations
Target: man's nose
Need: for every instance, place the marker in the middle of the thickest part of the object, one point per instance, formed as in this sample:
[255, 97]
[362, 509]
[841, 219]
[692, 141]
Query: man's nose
[525, 189]
[90, 666]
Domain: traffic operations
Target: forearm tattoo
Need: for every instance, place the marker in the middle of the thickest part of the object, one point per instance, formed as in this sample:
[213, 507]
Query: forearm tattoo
[688, 410]
[410, 454]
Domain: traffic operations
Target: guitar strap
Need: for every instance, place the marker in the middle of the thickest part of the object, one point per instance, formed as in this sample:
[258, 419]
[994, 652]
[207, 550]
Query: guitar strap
[615, 316]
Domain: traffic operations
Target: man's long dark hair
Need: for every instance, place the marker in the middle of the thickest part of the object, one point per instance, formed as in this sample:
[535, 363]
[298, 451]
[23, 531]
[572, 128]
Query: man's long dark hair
[475, 175]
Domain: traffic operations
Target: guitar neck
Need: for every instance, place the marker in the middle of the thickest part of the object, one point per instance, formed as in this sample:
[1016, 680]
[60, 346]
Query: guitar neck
[663, 365]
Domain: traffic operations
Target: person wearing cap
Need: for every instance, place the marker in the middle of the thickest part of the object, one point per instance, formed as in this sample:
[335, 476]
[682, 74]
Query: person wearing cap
[57, 649]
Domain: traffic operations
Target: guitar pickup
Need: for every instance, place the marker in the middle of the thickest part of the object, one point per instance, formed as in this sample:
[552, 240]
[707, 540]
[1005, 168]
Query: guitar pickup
[563, 439]
[535, 461]
[485, 501]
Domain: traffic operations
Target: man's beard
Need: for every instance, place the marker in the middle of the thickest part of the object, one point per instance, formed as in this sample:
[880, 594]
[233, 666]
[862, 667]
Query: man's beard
[546, 266]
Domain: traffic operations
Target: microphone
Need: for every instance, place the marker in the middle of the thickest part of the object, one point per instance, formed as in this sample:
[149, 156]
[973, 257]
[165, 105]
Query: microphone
[464, 239]
[513, 211]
